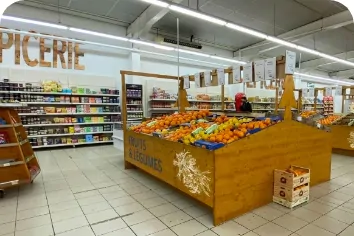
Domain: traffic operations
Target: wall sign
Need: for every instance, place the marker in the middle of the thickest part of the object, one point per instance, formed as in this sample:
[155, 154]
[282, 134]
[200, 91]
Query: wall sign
[270, 68]
[236, 72]
[339, 90]
[137, 149]
[248, 72]
[221, 76]
[197, 80]
[259, 68]
[186, 83]
[290, 62]
[57, 47]
[207, 78]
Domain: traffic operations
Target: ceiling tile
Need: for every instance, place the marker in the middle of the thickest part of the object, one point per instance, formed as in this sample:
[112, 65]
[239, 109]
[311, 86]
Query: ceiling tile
[128, 10]
[55, 2]
[100, 7]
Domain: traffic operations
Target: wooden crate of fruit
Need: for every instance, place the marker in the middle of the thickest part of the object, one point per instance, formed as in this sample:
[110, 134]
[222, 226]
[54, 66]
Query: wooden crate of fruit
[227, 163]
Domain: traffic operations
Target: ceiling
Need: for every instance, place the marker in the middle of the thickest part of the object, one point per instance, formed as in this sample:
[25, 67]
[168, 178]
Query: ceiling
[273, 17]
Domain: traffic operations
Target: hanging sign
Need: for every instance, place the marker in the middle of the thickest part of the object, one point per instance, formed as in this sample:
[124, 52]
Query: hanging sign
[221, 76]
[259, 70]
[311, 92]
[290, 62]
[197, 80]
[186, 83]
[207, 78]
[304, 92]
[248, 72]
[339, 90]
[66, 54]
[237, 75]
[270, 68]
[328, 91]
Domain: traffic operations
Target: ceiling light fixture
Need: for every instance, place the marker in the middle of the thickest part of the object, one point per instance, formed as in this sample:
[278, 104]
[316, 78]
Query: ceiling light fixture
[308, 50]
[193, 53]
[157, 3]
[230, 60]
[98, 34]
[319, 79]
[11, 18]
[246, 30]
[197, 15]
[151, 44]
[282, 42]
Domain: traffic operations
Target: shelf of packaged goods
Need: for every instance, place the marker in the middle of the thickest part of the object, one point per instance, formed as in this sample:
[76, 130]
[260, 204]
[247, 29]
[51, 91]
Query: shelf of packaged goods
[70, 134]
[164, 109]
[97, 104]
[162, 100]
[72, 103]
[14, 163]
[61, 94]
[134, 104]
[135, 111]
[68, 124]
[15, 104]
[10, 125]
[71, 144]
[133, 119]
[134, 98]
[68, 114]
[263, 102]
[209, 101]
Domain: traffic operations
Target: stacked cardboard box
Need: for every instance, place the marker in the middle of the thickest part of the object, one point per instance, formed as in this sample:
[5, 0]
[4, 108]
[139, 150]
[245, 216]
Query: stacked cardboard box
[291, 186]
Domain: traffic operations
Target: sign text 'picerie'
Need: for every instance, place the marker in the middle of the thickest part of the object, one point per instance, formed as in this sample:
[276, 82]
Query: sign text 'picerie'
[137, 151]
[63, 50]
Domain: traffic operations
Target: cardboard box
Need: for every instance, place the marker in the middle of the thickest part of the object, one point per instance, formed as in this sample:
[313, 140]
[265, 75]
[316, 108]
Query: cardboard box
[289, 204]
[289, 180]
[291, 194]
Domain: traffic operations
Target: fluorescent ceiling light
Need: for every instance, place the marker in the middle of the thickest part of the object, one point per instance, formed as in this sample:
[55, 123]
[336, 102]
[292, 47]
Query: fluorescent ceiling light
[319, 79]
[193, 53]
[157, 3]
[246, 30]
[282, 42]
[33, 22]
[336, 59]
[308, 50]
[197, 15]
[151, 44]
[98, 34]
[227, 59]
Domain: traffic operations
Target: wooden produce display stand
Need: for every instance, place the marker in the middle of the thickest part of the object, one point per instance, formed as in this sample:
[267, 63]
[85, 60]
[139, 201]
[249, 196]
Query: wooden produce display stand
[18, 163]
[238, 177]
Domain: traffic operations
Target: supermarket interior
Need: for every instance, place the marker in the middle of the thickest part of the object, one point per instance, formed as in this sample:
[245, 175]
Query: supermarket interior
[177, 118]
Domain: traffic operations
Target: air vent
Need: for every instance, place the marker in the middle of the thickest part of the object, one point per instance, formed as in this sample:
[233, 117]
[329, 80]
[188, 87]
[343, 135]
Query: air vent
[183, 43]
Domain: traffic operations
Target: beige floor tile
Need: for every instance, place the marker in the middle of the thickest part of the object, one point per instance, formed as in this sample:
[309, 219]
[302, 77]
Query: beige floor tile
[87, 194]
[197, 211]
[207, 233]
[343, 216]
[268, 213]
[45, 230]
[175, 218]
[305, 214]
[163, 209]
[100, 206]
[21, 215]
[348, 231]
[271, 229]
[138, 217]
[320, 208]
[129, 208]
[148, 227]
[7, 218]
[7, 228]
[91, 200]
[330, 224]
[66, 214]
[313, 230]
[121, 201]
[207, 220]
[230, 228]
[114, 195]
[251, 221]
[63, 206]
[101, 216]
[33, 222]
[189, 228]
[290, 222]
[144, 195]
[152, 202]
[84, 231]
[108, 226]
[165, 232]
[110, 189]
[122, 232]
[70, 224]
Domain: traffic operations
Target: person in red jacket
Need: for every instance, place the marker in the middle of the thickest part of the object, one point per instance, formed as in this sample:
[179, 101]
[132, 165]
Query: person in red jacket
[241, 103]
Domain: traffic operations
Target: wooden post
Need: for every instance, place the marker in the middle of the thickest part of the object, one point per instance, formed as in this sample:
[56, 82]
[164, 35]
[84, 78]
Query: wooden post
[222, 97]
[288, 99]
[276, 100]
[316, 96]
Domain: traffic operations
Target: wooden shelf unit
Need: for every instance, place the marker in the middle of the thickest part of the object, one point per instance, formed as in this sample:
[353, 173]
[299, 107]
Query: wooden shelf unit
[18, 163]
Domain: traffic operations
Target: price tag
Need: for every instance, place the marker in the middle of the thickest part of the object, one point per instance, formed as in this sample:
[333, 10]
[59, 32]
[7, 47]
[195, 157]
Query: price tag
[304, 92]
[328, 91]
[319, 125]
[207, 78]
[197, 80]
[221, 76]
[299, 118]
[290, 62]
[248, 72]
[259, 70]
[237, 75]
[311, 92]
[270, 68]
[339, 90]
[186, 84]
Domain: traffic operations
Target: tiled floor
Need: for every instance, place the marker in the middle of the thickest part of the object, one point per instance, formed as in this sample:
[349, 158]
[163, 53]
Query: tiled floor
[87, 192]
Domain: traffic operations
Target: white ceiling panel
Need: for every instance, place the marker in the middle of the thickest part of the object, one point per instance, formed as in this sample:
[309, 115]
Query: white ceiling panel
[128, 10]
[100, 7]
[55, 2]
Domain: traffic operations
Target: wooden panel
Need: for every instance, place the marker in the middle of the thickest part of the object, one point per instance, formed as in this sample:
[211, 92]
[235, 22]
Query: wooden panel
[244, 169]
[156, 156]
[341, 137]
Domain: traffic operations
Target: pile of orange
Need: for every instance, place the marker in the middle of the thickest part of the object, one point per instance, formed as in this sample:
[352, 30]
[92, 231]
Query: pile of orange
[165, 122]
[329, 120]
[184, 131]
[221, 119]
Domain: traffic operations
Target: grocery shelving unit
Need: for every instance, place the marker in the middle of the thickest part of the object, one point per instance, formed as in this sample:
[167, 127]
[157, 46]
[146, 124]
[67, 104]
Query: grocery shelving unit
[55, 119]
[134, 105]
[18, 163]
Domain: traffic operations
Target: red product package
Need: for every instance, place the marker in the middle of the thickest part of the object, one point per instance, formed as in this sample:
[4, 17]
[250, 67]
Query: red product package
[4, 138]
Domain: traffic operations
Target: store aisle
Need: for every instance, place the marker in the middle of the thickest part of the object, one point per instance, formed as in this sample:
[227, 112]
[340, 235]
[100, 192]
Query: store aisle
[87, 192]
